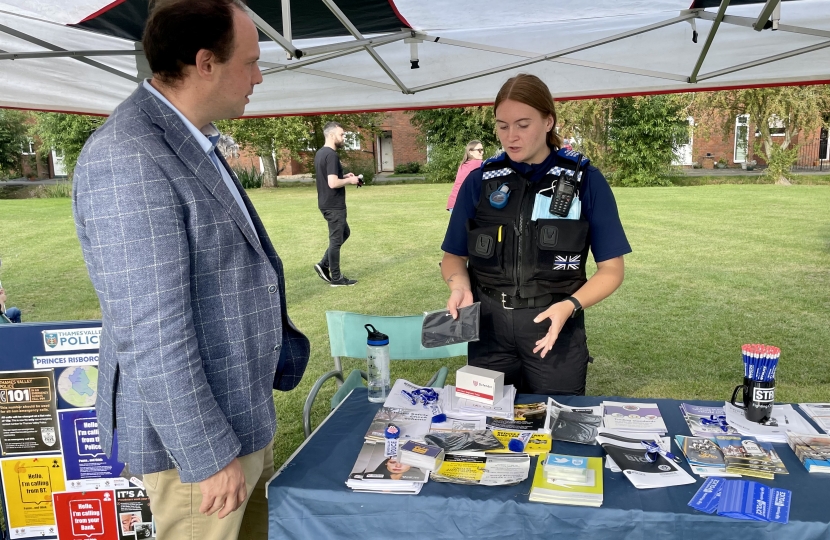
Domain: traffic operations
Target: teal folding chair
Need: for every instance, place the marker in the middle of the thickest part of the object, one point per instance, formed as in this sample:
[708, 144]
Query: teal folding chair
[347, 337]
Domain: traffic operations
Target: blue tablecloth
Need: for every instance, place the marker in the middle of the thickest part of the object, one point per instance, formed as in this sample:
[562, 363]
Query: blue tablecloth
[309, 498]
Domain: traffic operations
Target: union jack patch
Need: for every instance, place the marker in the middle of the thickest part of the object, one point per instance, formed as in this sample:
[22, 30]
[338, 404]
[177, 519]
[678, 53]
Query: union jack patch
[569, 262]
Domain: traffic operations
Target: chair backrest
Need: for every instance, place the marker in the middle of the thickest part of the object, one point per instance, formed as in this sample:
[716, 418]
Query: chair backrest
[348, 336]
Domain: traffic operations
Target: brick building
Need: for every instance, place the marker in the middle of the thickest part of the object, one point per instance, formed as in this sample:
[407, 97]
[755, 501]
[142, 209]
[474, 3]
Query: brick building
[396, 144]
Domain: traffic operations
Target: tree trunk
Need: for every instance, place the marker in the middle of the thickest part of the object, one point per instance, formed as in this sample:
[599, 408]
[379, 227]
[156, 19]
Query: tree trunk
[269, 174]
[782, 181]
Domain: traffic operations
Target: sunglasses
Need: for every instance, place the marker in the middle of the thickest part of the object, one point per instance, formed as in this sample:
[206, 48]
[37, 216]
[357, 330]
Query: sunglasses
[477, 150]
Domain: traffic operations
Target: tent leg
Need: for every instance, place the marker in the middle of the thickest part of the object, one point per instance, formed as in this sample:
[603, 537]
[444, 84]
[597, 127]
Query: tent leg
[721, 12]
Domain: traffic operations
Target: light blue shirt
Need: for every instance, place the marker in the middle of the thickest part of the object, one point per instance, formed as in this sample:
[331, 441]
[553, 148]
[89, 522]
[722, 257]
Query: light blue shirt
[207, 139]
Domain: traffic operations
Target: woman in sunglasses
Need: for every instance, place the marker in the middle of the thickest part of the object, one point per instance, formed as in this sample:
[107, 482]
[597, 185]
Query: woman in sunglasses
[473, 156]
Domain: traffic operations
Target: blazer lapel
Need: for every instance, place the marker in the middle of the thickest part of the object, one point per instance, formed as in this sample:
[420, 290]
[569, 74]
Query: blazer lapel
[186, 147]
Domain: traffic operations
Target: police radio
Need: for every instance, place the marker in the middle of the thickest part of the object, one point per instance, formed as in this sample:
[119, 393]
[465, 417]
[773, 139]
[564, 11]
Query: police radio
[564, 191]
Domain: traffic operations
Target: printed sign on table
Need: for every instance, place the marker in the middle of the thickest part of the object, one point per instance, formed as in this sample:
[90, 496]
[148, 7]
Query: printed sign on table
[28, 412]
[72, 339]
[28, 484]
[134, 515]
[87, 466]
[86, 515]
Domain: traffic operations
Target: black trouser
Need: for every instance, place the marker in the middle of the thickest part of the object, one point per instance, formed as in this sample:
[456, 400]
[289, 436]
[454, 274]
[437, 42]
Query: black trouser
[507, 340]
[338, 234]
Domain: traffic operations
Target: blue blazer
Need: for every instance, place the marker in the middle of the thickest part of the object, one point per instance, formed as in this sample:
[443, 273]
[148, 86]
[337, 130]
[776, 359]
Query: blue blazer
[195, 330]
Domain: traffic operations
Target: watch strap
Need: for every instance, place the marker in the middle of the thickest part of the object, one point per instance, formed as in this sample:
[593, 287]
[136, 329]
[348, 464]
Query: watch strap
[577, 306]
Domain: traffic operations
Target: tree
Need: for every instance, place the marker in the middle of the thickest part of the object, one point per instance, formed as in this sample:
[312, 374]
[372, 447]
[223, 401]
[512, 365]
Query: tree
[267, 137]
[64, 132]
[447, 132]
[12, 140]
[586, 121]
[273, 139]
[793, 109]
[644, 135]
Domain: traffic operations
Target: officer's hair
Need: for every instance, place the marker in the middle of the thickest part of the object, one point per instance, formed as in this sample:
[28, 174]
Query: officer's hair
[530, 90]
[329, 127]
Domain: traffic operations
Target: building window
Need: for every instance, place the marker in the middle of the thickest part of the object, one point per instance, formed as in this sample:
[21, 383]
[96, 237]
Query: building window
[28, 148]
[351, 140]
[776, 126]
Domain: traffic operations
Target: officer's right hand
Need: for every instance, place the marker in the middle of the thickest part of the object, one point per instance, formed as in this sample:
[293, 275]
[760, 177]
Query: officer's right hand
[459, 298]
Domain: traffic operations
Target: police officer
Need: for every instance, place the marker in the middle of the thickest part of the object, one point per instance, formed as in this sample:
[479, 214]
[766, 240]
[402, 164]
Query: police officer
[508, 246]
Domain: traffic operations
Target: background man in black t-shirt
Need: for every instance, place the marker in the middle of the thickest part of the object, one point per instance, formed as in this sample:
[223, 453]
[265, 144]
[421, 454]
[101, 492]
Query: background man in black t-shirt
[331, 200]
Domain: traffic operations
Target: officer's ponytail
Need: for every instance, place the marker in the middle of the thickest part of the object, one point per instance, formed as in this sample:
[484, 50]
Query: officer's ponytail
[530, 90]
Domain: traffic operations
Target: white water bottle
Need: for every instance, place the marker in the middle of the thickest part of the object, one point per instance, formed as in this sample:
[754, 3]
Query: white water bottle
[377, 360]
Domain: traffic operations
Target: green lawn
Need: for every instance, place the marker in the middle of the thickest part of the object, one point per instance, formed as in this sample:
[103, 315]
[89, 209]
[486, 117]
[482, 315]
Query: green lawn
[713, 267]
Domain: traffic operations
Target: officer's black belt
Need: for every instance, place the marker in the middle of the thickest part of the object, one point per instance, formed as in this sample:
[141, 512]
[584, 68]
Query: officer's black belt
[516, 302]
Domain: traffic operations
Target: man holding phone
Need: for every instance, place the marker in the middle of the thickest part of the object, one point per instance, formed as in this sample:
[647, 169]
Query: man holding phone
[195, 332]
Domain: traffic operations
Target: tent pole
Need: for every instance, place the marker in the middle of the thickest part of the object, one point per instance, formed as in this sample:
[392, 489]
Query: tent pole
[68, 54]
[372, 52]
[286, 23]
[269, 31]
[315, 60]
[356, 80]
[51, 47]
[766, 60]
[715, 24]
[764, 16]
[375, 41]
[562, 60]
[550, 56]
[746, 21]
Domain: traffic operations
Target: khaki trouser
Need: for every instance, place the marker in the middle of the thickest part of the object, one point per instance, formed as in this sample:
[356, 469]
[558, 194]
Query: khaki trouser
[175, 505]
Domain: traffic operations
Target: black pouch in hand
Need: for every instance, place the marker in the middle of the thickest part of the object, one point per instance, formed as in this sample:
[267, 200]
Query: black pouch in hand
[441, 329]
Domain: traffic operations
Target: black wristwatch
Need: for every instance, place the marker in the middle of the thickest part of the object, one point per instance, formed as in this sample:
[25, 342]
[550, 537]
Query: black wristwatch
[577, 306]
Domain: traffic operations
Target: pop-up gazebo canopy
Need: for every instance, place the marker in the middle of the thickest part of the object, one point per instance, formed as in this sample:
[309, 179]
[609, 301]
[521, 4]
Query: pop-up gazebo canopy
[358, 55]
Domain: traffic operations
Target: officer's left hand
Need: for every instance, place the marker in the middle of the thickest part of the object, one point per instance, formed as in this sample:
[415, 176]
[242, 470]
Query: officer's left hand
[558, 314]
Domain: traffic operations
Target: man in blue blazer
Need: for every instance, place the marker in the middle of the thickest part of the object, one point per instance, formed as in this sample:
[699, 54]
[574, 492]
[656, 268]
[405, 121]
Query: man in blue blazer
[195, 330]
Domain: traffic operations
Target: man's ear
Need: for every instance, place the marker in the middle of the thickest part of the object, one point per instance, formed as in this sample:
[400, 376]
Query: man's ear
[205, 63]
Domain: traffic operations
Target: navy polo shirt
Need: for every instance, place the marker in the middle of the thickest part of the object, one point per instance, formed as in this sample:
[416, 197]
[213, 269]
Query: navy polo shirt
[598, 206]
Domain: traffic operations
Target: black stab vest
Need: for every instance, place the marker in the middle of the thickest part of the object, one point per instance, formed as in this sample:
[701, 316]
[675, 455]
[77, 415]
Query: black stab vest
[513, 255]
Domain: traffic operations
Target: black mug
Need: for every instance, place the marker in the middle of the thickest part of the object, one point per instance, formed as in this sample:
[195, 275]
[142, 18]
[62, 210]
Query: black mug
[758, 397]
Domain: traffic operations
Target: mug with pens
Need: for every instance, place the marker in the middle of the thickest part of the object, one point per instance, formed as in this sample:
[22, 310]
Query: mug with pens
[758, 389]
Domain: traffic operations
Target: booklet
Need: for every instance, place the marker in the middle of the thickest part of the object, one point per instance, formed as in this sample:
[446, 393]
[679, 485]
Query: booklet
[705, 421]
[630, 456]
[413, 423]
[819, 412]
[633, 417]
[748, 456]
[483, 469]
[812, 450]
[375, 472]
[567, 424]
[744, 499]
[526, 417]
[588, 493]
[704, 456]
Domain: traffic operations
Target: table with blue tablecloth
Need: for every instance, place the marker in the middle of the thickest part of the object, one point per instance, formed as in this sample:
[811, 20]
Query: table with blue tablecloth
[308, 497]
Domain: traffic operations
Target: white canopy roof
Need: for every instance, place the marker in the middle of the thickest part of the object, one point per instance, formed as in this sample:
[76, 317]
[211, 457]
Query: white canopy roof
[465, 50]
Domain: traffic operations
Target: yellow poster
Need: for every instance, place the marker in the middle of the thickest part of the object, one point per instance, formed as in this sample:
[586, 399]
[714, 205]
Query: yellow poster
[28, 484]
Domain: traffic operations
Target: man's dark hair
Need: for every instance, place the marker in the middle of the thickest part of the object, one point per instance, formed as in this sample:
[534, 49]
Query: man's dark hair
[177, 29]
[329, 127]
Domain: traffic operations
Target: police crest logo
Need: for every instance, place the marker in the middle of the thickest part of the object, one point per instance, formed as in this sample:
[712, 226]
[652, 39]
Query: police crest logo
[47, 435]
[50, 339]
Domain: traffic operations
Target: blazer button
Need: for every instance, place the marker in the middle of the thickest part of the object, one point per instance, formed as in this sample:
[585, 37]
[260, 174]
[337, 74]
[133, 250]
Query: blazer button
[276, 348]
[272, 289]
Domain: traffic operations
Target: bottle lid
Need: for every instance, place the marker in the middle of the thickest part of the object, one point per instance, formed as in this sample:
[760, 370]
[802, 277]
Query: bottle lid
[375, 337]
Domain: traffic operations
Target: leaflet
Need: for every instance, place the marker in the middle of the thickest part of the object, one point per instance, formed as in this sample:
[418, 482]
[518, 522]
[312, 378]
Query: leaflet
[28, 412]
[87, 466]
[28, 484]
[819, 412]
[483, 469]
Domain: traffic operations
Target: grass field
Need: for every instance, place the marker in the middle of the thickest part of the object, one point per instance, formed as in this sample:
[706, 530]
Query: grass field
[713, 267]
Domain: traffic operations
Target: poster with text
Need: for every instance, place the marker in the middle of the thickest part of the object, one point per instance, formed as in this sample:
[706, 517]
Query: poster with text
[76, 378]
[28, 412]
[87, 466]
[134, 516]
[28, 484]
[86, 515]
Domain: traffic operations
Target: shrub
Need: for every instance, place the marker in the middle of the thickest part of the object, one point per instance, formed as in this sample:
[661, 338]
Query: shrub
[443, 163]
[359, 162]
[250, 178]
[60, 190]
[408, 168]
